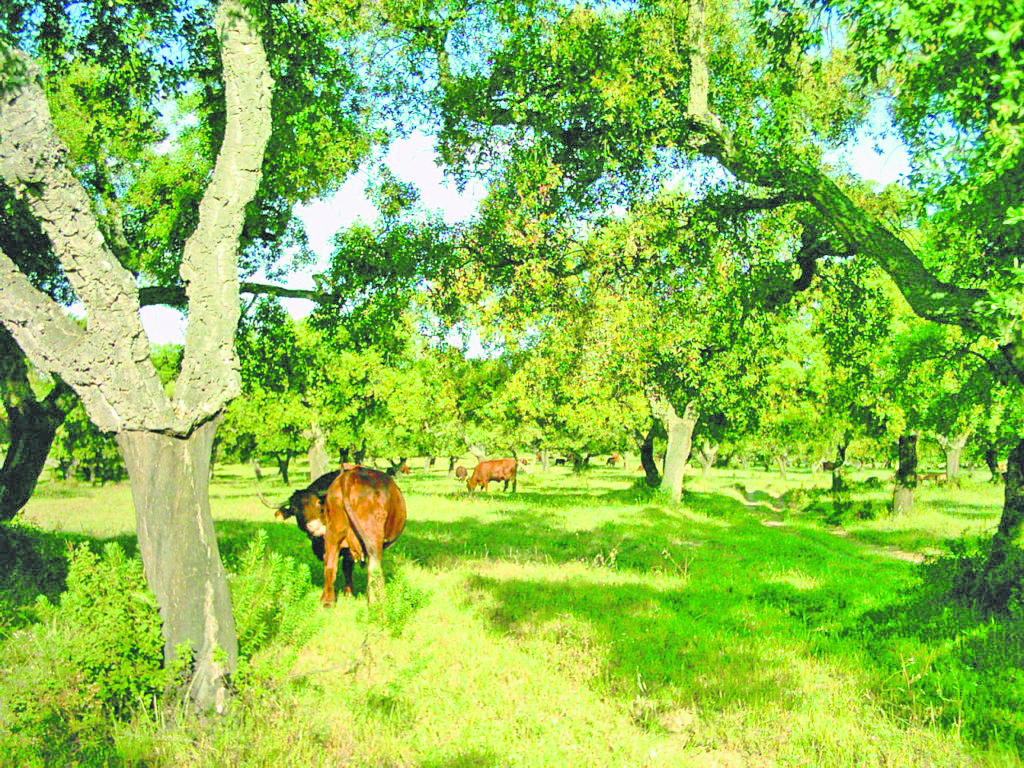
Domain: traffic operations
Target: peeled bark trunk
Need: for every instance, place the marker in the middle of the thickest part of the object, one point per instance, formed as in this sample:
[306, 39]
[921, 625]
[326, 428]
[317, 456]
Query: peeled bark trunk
[906, 476]
[680, 440]
[170, 487]
[706, 456]
[316, 454]
[953, 447]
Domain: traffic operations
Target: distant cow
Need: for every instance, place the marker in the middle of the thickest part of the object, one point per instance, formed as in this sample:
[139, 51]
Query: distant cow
[828, 466]
[501, 470]
[560, 461]
[460, 472]
[613, 460]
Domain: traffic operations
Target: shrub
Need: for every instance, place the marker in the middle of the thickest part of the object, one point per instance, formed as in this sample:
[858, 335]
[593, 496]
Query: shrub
[83, 666]
[34, 563]
[273, 605]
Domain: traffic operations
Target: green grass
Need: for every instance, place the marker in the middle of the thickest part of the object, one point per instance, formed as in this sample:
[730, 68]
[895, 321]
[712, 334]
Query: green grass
[583, 621]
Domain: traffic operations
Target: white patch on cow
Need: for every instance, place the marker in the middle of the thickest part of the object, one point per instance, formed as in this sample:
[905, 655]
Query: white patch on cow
[316, 527]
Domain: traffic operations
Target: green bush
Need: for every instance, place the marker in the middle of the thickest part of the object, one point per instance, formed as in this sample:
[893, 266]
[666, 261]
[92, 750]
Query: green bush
[401, 602]
[84, 666]
[35, 563]
[274, 606]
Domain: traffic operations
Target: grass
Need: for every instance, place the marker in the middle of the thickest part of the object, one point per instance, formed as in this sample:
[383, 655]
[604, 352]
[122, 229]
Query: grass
[584, 621]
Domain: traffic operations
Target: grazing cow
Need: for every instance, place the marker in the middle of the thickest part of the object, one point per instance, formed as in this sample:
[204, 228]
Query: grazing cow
[294, 506]
[495, 469]
[828, 466]
[353, 513]
[560, 461]
[460, 472]
[364, 513]
[613, 460]
[935, 477]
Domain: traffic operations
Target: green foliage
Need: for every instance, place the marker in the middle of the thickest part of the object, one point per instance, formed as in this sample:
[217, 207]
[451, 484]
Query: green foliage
[274, 607]
[977, 582]
[87, 663]
[402, 601]
[34, 564]
[82, 452]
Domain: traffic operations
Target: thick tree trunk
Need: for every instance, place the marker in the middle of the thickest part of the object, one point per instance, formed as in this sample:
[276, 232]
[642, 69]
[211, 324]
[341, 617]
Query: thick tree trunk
[170, 487]
[906, 476]
[680, 440]
[1011, 523]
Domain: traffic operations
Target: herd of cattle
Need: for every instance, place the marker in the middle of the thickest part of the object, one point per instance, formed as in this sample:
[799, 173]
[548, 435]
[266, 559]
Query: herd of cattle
[355, 513]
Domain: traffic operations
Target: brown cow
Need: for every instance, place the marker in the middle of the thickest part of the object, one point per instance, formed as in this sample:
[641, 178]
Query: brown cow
[460, 472]
[494, 469]
[363, 513]
[613, 460]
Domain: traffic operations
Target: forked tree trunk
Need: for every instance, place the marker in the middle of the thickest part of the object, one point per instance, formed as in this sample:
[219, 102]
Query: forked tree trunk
[680, 441]
[782, 462]
[170, 487]
[706, 456]
[906, 476]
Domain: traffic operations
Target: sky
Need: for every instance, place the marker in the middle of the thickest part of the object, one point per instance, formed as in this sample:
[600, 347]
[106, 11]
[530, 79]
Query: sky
[412, 160]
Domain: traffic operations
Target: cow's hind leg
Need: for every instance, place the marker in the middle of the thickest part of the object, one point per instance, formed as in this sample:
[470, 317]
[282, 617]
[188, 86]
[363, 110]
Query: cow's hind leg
[330, 572]
[347, 565]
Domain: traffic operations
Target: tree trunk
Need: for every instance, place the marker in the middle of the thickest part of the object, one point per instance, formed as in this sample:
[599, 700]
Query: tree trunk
[706, 456]
[645, 446]
[283, 462]
[992, 462]
[316, 454]
[680, 440]
[906, 476]
[953, 447]
[782, 462]
[170, 487]
[1011, 522]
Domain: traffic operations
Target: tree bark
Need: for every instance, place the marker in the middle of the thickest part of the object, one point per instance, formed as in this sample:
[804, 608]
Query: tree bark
[169, 481]
[953, 447]
[706, 455]
[31, 427]
[680, 440]
[992, 462]
[906, 476]
[316, 454]
[1011, 524]
[645, 447]
[166, 444]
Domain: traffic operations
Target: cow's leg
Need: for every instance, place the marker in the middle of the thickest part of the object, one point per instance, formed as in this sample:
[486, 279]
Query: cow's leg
[374, 571]
[330, 571]
[347, 564]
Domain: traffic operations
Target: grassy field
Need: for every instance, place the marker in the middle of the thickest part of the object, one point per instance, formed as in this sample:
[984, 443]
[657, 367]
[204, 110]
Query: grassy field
[584, 622]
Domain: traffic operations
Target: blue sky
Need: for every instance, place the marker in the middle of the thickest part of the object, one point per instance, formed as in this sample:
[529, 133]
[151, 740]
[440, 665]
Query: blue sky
[412, 160]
